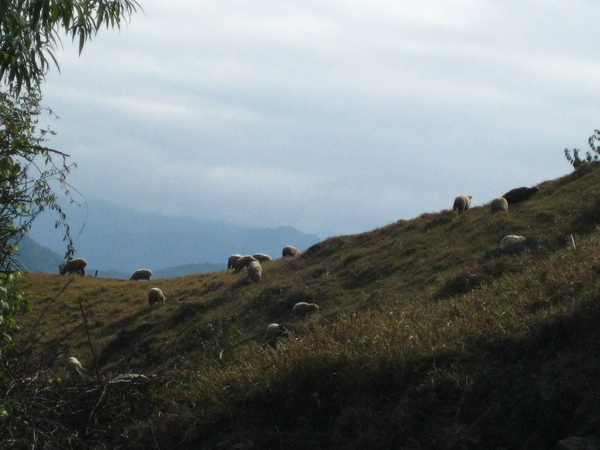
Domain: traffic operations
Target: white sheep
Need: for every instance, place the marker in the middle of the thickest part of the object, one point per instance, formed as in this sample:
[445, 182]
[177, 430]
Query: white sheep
[74, 266]
[254, 271]
[462, 203]
[288, 250]
[303, 309]
[155, 295]
[243, 262]
[499, 204]
[511, 239]
[141, 274]
[74, 368]
[274, 332]
[232, 260]
[261, 257]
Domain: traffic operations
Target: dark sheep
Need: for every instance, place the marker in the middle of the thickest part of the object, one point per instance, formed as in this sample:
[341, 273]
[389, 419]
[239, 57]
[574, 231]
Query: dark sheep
[520, 194]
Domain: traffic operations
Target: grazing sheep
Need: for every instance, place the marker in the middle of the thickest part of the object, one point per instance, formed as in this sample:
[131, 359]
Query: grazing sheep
[303, 309]
[74, 266]
[511, 239]
[520, 194]
[142, 274]
[155, 295]
[74, 368]
[254, 271]
[462, 203]
[529, 244]
[232, 260]
[261, 257]
[289, 251]
[274, 333]
[243, 262]
[499, 204]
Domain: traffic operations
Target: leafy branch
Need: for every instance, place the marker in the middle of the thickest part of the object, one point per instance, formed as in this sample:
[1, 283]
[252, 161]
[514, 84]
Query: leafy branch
[590, 157]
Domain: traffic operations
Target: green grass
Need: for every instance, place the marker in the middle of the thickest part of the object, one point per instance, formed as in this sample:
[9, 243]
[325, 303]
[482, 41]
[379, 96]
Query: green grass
[423, 340]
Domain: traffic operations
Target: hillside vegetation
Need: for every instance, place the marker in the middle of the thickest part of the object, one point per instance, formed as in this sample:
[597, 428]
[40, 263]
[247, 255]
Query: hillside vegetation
[427, 337]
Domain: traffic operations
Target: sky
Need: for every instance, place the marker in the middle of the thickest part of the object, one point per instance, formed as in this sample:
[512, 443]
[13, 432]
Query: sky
[334, 117]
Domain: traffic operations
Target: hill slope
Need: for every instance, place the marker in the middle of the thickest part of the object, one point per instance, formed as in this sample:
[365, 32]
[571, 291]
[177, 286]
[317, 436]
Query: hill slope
[428, 337]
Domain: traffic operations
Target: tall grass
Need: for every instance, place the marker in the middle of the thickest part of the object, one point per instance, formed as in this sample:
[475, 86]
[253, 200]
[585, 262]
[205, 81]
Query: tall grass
[425, 339]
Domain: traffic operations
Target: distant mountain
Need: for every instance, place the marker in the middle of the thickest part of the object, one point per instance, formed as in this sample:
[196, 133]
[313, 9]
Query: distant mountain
[116, 240]
[35, 258]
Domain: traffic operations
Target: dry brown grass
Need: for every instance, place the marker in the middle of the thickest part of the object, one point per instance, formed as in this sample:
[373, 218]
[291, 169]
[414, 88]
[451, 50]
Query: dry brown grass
[424, 340]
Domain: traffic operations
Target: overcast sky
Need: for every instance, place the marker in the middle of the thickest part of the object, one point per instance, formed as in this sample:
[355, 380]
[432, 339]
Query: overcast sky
[334, 117]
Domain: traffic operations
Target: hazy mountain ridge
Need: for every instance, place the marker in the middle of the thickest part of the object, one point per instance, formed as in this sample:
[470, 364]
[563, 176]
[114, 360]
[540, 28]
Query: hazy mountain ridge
[34, 257]
[116, 240]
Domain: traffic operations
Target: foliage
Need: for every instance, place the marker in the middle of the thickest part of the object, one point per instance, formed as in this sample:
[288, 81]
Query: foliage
[12, 303]
[30, 31]
[29, 173]
[590, 157]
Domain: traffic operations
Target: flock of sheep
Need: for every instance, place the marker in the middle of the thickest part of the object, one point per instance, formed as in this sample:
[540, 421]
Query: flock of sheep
[499, 204]
[236, 262]
[252, 264]
[254, 270]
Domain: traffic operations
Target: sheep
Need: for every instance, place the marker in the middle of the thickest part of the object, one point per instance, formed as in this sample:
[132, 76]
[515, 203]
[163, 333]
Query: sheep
[232, 260]
[520, 194]
[74, 367]
[141, 274]
[254, 271]
[155, 295]
[243, 262]
[462, 203]
[261, 257]
[303, 309]
[76, 266]
[511, 239]
[289, 251]
[529, 244]
[274, 333]
[499, 204]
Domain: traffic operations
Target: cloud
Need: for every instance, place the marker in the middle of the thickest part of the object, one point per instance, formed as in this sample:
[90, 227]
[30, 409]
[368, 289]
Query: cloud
[334, 117]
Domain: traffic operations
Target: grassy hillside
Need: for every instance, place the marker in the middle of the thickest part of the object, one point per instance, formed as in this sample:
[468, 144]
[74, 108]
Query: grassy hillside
[427, 337]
